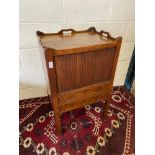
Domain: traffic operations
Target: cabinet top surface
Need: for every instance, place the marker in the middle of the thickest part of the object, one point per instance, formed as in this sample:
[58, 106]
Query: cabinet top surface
[75, 39]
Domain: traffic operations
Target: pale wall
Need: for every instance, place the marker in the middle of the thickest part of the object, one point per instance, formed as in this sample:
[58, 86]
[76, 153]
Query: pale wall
[115, 16]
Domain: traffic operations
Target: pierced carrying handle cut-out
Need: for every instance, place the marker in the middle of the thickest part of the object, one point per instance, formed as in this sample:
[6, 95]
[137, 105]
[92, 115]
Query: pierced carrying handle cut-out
[67, 32]
[105, 34]
[102, 33]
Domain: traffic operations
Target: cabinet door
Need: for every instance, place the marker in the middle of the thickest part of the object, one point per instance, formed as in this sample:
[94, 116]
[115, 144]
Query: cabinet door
[84, 69]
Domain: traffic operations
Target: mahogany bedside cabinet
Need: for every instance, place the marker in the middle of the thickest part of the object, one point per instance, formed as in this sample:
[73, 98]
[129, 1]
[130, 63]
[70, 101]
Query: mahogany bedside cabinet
[79, 68]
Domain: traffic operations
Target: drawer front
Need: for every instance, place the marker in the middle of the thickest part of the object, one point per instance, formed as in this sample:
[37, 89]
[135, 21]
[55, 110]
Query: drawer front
[81, 102]
[96, 92]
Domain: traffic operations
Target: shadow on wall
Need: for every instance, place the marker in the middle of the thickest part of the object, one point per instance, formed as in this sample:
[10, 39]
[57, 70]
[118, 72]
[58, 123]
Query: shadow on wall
[30, 91]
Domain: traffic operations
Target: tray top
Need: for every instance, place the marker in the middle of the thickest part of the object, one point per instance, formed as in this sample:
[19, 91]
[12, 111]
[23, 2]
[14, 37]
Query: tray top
[71, 39]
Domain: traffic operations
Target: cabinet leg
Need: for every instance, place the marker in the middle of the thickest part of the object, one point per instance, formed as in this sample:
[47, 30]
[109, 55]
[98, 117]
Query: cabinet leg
[58, 124]
[107, 103]
[57, 115]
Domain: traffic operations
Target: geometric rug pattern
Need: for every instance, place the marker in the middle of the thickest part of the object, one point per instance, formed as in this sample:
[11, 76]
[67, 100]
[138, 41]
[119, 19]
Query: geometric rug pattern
[84, 132]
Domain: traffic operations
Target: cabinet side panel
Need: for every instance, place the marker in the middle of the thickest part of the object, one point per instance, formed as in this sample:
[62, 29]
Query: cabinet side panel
[84, 69]
[45, 70]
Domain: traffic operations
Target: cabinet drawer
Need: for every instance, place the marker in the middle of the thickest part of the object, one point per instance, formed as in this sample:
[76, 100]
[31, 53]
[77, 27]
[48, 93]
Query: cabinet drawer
[78, 103]
[94, 90]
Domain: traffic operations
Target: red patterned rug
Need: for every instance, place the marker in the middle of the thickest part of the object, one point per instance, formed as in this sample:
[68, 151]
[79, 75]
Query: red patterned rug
[84, 132]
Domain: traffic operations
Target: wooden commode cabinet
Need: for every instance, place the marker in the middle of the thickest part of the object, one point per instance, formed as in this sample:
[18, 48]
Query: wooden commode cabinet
[79, 68]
